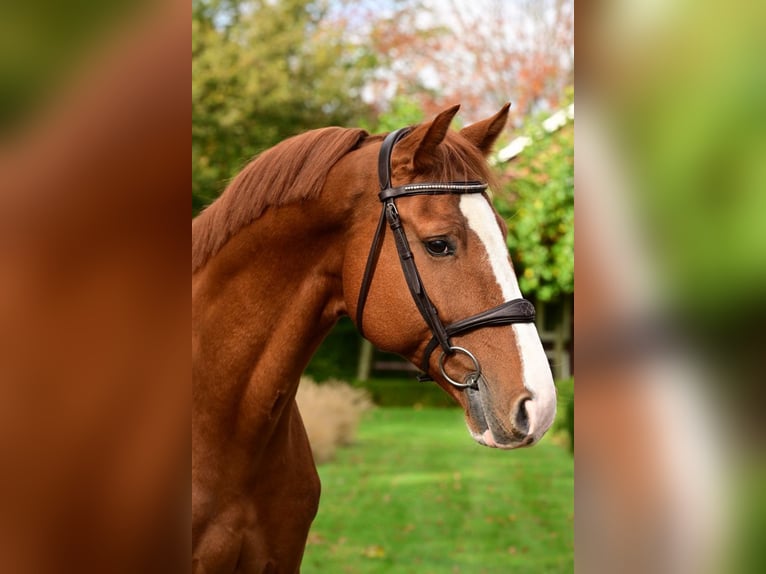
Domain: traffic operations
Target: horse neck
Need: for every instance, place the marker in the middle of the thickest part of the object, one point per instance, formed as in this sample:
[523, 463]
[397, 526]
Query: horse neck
[260, 308]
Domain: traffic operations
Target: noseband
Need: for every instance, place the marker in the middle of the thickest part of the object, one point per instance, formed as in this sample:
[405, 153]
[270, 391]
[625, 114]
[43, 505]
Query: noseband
[515, 311]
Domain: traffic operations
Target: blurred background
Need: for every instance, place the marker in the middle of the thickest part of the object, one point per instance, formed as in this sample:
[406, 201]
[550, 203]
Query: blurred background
[94, 304]
[264, 71]
[672, 270]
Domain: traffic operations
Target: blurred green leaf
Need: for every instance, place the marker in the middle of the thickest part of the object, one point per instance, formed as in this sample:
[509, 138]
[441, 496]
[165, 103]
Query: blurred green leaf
[261, 72]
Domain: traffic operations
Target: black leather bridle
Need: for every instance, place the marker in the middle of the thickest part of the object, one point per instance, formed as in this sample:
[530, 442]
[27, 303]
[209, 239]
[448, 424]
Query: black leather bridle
[515, 311]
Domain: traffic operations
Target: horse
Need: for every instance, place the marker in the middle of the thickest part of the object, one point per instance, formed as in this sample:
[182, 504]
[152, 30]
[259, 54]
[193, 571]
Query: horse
[398, 232]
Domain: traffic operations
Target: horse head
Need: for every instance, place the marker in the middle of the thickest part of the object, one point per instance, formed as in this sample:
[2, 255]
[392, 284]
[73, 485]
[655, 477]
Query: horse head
[438, 286]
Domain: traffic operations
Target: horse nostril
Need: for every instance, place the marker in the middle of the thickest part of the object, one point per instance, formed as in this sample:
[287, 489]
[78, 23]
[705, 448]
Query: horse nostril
[521, 417]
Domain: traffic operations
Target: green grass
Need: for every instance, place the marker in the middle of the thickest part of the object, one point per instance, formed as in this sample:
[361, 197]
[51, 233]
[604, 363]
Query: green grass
[417, 495]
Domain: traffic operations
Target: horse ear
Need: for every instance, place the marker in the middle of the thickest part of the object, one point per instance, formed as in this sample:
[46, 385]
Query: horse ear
[484, 133]
[435, 132]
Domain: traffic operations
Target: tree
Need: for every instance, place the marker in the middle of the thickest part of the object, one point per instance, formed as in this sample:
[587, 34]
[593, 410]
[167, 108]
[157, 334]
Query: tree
[481, 53]
[263, 71]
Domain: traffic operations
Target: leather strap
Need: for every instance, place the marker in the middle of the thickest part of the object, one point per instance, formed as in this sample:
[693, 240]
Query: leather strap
[384, 156]
[514, 311]
[432, 189]
[369, 270]
[384, 178]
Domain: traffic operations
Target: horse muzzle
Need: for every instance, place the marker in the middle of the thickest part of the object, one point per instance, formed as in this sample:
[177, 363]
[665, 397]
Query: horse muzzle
[523, 424]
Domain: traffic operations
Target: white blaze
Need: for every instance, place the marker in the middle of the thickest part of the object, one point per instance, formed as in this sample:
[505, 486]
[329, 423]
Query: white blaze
[536, 374]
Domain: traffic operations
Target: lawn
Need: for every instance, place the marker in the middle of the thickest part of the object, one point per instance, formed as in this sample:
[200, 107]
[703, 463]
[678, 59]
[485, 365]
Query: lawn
[416, 495]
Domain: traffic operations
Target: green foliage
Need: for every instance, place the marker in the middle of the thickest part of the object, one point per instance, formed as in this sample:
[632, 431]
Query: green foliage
[564, 423]
[691, 136]
[538, 206]
[263, 71]
[43, 47]
[416, 494]
[338, 354]
[406, 392]
[401, 111]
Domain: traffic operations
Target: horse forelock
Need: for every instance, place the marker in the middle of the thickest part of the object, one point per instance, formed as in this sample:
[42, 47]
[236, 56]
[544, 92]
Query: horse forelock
[292, 171]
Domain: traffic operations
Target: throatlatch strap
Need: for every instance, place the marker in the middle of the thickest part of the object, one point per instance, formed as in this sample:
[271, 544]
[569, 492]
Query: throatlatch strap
[384, 178]
[369, 270]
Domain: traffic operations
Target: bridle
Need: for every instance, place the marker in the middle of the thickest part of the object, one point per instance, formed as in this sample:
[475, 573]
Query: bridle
[515, 311]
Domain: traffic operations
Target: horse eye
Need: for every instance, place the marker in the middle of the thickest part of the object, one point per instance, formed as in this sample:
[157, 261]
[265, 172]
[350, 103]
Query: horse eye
[439, 248]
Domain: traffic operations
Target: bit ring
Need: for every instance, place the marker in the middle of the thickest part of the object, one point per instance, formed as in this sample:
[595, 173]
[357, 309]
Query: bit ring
[472, 377]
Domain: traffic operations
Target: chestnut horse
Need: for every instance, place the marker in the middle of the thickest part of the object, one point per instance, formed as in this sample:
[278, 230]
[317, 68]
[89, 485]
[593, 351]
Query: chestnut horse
[289, 247]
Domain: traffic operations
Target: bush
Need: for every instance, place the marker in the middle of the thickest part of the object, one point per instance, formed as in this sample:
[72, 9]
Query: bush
[407, 392]
[338, 354]
[331, 413]
[564, 423]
